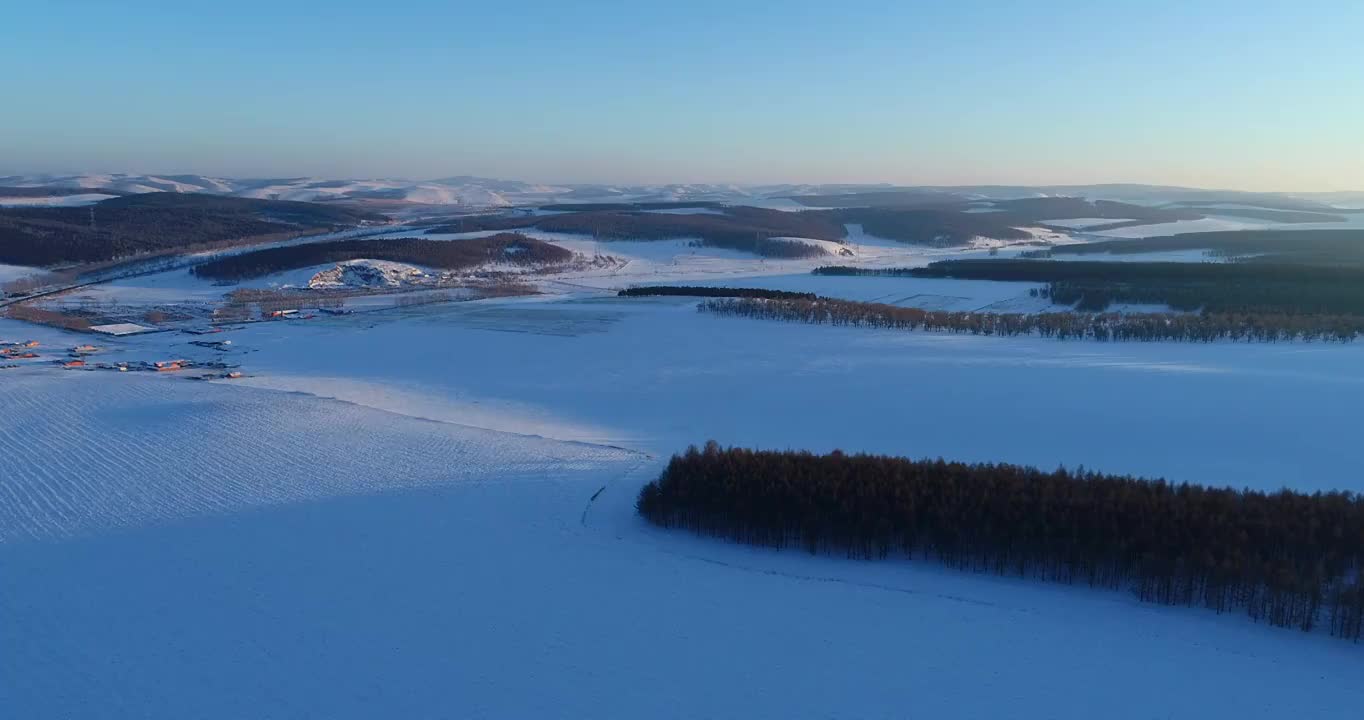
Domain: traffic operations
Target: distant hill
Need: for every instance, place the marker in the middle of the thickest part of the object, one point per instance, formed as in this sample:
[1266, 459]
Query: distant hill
[47, 192]
[471, 191]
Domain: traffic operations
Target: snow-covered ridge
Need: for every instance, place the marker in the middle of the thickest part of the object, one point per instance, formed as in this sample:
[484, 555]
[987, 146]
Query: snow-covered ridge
[469, 191]
[480, 192]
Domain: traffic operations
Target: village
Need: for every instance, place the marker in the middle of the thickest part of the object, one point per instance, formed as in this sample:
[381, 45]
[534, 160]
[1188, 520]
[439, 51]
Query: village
[88, 357]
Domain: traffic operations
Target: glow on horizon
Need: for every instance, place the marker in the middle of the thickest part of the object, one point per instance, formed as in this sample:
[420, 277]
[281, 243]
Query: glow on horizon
[1210, 94]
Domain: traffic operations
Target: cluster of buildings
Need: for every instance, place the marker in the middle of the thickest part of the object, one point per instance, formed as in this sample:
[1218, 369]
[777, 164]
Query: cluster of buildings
[81, 357]
[18, 350]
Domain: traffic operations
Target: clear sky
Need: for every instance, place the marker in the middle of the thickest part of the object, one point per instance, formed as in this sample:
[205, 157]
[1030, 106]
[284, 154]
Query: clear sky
[1253, 94]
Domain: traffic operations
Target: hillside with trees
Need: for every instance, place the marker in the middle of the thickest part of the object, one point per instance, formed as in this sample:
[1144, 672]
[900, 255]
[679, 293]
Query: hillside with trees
[1299, 247]
[713, 292]
[747, 229]
[933, 228]
[127, 226]
[503, 248]
[930, 219]
[1039, 210]
[628, 206]
[1285, 558]
[1253, 288]
[950, 225]
[1108, 327]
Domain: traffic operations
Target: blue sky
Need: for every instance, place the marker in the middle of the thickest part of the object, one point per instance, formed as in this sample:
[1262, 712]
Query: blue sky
[1226, 94]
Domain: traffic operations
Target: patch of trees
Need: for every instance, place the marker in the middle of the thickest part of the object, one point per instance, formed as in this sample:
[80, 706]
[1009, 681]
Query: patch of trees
[1112, 327]
[714, 292]
[934, 228]
[447, 255]
[1059, 208]
[1049, 271]
[153, 222]
[1286, 558]
[1300, 247]
[928, 218]
[590, 207]
[1213, 287]
[738, 228]
[851, 271]
[299, 213]
[914, 198]
[933, 219]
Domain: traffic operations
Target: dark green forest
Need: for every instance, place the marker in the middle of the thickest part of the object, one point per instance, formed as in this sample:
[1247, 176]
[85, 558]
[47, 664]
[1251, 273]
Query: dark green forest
[1263, 288]
[713, 292]
[1299, 247]
[1114, 327]
[153, 222]
[501, 248]
[1286, 558]
[736, 228]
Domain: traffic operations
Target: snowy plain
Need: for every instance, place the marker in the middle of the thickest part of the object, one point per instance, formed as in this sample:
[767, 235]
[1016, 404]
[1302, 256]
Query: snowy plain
[14, 272]
[55, 200]
[1214, 223]
[428, 512]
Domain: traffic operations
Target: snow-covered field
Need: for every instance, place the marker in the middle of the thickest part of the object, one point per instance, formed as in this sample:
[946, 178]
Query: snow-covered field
[1186, 256]
[1227, 222]
[428, 512]
[1082, 223]
[14, 272]
[1208, 224]
[91, 451]
[54, 200]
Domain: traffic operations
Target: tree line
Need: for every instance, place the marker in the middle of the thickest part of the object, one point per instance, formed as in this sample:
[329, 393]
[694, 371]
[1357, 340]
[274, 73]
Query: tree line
[1299, 247]
[741, 227]
[511, 248]
[1060, 326]
[950, 224]
[850, 271]
[738, 228]
[714, 292]
[1210, 287]
[658, 205]
[748, 229]
[1134, 272]
[1287, 558]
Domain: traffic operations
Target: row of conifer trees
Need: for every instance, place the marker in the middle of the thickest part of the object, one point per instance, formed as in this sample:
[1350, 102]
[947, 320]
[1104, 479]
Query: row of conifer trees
[1290, 559]
[1062, 326]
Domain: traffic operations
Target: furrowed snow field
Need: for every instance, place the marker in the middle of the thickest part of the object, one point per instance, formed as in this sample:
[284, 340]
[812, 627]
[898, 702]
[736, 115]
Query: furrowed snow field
[495, 600]
[136, 450]
[428, 512]
[14, 272]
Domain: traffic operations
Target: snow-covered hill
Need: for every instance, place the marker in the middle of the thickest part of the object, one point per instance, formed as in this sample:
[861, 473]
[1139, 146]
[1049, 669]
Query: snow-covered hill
[464, 190]
[470, 191]
[479, 192]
